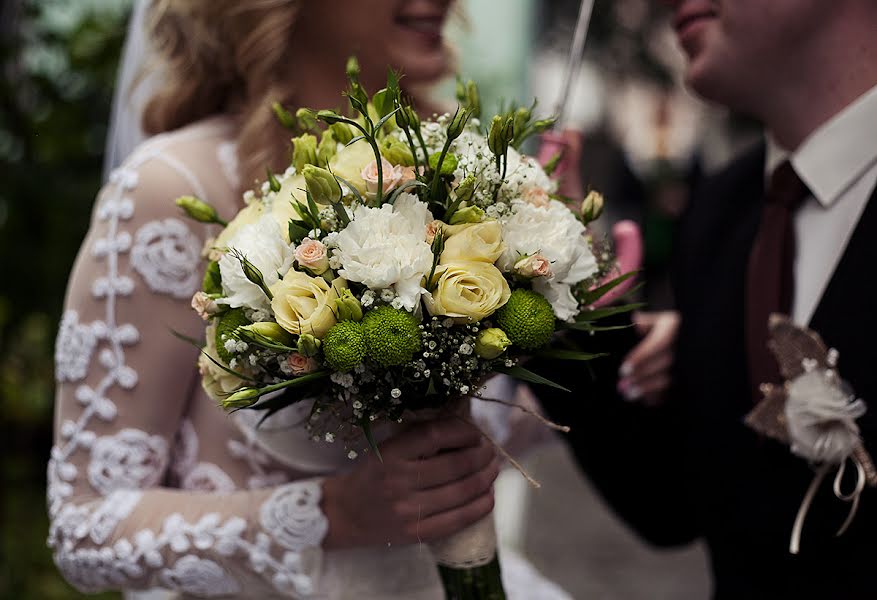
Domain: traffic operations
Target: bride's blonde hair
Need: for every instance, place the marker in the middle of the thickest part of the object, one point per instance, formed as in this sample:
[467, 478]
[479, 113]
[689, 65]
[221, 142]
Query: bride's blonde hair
[223, 56]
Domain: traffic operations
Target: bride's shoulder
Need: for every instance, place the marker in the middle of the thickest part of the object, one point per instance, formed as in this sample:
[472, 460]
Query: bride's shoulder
[199, 159]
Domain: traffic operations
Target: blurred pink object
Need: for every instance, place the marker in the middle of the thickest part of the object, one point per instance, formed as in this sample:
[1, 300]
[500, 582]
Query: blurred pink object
[626, 234]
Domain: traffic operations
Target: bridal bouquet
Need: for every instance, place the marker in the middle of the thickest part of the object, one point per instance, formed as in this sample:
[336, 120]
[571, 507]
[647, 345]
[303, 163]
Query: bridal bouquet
[393, 267]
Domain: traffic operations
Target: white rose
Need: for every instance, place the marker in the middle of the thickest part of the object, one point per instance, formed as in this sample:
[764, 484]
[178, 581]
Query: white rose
[263, 244]
[555, 233]
[386, 247]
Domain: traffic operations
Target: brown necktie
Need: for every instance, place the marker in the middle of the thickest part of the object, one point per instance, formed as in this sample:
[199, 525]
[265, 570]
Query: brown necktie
[770, 283]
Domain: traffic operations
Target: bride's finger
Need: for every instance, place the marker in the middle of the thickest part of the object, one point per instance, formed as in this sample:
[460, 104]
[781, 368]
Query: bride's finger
[452, 495]
[442, 525]
[428, 439]
[447, 467]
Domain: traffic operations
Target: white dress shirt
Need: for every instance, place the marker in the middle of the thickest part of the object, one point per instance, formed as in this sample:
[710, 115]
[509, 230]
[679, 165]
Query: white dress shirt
[838, 163]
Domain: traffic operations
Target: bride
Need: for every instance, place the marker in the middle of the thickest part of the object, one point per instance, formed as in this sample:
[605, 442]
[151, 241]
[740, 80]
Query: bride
[152, 486]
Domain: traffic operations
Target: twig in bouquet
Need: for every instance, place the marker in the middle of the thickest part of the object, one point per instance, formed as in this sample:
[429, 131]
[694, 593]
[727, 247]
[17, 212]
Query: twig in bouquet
[531, 412]
[503, 452]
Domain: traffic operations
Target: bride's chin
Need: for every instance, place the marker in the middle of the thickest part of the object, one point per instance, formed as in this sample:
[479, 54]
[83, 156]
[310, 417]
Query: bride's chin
[425, 68]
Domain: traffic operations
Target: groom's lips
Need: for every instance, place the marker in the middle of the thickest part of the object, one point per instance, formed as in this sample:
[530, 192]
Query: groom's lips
[690, 20]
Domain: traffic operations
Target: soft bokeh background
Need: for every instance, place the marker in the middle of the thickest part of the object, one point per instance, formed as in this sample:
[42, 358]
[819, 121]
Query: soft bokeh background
[646, 139]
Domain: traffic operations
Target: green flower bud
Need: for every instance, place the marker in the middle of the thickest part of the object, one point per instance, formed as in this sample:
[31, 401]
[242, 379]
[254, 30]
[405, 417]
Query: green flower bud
[466, 189]
[329, 117]
[242, 398]
[358, 98]
[307, 119]
[396, 152]
[500, 135]
[543, 125]
[383, 102]
[448, 166]
[199, 210]
[304, 151]
[521, 118]
[327, 147]
[412, 117]
[458, 123]
[341, 132]
[264, 331]
[352, 69]
[252, 272]
[322, 185]
[592, 207]
[348, 308]
[473, 99]
[308, 345]
[283, 116]
[490, 343]
[273, 184]
[470, 214]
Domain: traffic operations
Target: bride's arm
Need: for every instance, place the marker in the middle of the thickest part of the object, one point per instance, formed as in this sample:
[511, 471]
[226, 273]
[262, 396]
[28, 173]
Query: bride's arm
[123, 386]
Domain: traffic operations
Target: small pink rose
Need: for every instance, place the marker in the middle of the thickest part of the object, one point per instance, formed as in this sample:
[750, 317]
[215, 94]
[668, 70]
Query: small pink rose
[392, 176]
[311, 255]
[432, 228]
[406, 174]
[533, 266]
[300, 364]
[204, 305]
[536, 196]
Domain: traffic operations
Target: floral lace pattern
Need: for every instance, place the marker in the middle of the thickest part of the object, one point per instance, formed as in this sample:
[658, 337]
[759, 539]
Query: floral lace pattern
[167, 255]
[176, 552]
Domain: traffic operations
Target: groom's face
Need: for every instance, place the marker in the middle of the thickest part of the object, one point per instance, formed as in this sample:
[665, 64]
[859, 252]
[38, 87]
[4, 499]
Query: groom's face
[736, 48]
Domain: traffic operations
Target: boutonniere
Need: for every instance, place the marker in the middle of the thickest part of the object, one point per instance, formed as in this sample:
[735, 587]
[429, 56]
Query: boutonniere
[813, 411]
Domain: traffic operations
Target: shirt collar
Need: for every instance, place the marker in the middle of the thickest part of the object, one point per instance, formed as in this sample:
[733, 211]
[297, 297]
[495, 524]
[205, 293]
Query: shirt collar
[837, 154]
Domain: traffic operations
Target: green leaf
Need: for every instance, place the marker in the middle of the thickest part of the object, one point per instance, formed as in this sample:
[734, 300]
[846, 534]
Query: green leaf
[365, 424]
[384, 119]
[597, 293]
[352, 189]
[529, 376]
[314, 210]
[296, 232]
[355, 139]
[284, 400]
[601, 313]
[212, 283]
[570, 354]
[586, 326]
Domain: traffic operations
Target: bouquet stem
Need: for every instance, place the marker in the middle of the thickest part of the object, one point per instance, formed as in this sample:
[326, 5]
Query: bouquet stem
[476, 583]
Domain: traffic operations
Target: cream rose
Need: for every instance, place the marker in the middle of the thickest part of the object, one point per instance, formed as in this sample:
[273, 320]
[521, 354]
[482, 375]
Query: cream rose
[311, 255]
[468, 289]
[247, 216]
[303, 304]
[391, 176]
[216, 382]
[480, 242]
[349, 162]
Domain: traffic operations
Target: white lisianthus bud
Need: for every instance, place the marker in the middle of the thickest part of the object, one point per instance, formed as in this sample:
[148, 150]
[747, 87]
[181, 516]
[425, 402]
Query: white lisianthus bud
[592, 207]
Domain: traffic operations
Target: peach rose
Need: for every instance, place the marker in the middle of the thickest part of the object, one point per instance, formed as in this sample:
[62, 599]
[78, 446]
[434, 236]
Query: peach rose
[536, 196]
[533, 266]
[311, 255]
[432, 228]
[392, 176]
[204, 305]
[301, 364]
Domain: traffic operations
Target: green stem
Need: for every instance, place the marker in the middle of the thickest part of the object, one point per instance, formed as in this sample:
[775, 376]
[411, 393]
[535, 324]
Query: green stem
[436, 177]
[413, 150]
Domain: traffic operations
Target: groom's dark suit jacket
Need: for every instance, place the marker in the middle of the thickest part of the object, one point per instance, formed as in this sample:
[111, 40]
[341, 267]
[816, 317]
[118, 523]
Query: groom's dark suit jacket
[692, 468]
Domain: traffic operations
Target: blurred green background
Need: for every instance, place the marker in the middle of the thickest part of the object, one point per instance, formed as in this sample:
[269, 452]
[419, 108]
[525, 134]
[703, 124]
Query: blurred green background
[58, 61]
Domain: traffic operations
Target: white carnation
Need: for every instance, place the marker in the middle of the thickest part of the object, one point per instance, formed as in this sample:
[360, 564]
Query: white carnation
[386, 247]
[555, 233]
[263, 244]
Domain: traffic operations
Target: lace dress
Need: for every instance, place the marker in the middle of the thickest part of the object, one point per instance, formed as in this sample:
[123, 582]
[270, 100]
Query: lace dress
[150, 485]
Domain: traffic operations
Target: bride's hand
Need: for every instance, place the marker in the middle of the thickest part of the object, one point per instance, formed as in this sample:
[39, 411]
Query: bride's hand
[436, 478]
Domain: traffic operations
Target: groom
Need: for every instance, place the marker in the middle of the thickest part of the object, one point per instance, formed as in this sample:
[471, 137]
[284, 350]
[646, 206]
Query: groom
[792, 227]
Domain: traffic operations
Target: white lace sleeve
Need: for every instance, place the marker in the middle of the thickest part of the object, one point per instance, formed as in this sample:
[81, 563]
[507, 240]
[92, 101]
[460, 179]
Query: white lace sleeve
[124, 386]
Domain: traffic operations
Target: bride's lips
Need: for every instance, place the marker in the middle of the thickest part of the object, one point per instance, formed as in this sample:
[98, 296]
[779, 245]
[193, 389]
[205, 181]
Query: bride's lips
[690, 20]
[426, 26]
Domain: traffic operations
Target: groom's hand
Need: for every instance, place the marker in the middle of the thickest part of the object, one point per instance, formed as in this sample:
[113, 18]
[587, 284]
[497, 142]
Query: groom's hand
[436, 478]
[645, 373]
